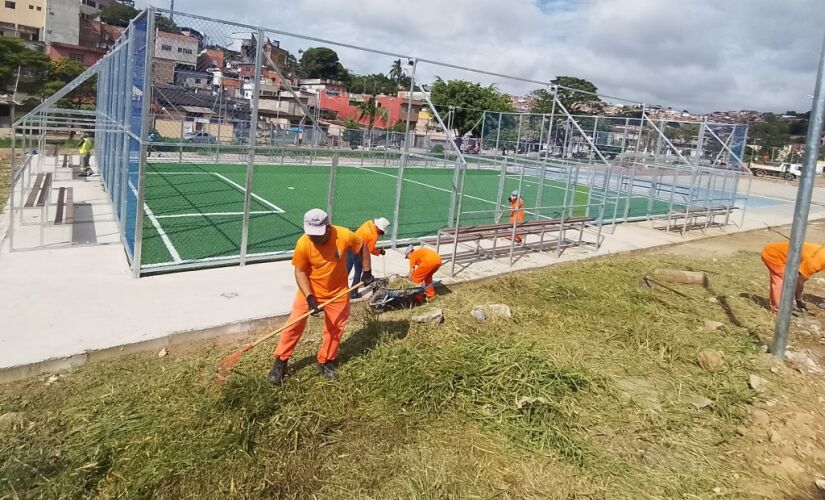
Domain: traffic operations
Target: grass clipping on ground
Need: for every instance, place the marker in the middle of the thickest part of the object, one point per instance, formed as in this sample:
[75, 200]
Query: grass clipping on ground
[527, 407]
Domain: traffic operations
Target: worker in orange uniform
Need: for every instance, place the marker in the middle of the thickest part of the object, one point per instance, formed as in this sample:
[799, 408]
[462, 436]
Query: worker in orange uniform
[321, 274]
[516, 211]
[423, 265]
[369, 232]
[775, 256]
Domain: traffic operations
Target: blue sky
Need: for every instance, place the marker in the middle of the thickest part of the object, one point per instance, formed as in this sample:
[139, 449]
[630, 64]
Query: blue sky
[699, 55]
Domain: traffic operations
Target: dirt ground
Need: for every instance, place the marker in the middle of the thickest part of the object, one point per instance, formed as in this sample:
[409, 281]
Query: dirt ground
[785, 435]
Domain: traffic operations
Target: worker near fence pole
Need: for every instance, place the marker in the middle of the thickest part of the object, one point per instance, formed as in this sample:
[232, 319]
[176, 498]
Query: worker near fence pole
[369, 232]
[423, 265]
[516, 211]
[321, 274]
[85, 151]
[775, 256]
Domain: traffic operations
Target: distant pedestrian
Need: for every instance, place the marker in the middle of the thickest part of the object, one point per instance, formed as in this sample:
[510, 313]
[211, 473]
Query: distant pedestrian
[85, 149]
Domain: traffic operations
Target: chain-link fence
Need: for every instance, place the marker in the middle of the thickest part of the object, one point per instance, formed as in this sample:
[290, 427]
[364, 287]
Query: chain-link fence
[211, 150]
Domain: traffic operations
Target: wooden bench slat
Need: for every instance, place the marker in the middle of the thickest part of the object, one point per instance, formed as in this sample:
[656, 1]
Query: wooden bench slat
[61, 206]
[38, 182]
[44, 190]
[65, 160]
[68, 215]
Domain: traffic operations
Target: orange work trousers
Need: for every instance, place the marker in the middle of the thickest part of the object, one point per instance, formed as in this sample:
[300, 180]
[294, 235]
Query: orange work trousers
[335, 319]
[424, 274]
[775, 290]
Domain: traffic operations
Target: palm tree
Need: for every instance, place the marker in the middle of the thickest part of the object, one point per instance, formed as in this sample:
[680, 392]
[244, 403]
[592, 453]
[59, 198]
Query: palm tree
[371, 111]
[396, 71]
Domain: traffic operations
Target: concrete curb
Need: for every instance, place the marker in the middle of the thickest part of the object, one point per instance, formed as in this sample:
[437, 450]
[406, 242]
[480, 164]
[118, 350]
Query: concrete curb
[227, 333]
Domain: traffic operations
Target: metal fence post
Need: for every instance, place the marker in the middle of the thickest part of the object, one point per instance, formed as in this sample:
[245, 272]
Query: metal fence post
[331, 187]
[253, 139]
[399, 182]
[800, 216]
[144, 134]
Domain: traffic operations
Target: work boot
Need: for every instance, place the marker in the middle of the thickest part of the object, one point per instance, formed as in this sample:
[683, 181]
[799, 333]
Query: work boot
[86, 173]
[277, 374]
[327, 371]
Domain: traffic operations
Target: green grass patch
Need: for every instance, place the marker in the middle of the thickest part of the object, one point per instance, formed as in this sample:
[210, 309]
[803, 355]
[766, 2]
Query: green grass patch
[528, 407]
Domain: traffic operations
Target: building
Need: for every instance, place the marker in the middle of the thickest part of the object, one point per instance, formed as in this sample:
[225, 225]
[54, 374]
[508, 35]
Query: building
[345, 106]
[209, 59]
[94, 41]
[72, 30]
[24, 19]
[173, 52]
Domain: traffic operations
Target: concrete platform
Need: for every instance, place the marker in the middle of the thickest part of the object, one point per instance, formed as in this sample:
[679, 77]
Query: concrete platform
[66, 305]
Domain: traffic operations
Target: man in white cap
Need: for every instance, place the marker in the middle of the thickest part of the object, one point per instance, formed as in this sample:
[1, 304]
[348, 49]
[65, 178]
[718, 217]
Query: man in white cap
[369, 232]
[321, 274]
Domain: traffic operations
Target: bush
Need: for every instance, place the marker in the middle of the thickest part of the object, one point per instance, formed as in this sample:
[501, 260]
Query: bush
[437, 149]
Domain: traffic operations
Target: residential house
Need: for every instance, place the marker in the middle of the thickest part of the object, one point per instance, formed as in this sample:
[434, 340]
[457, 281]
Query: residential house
[210, 59]
[67, 25]
[173, 52]
[179, 111]
[24, 19]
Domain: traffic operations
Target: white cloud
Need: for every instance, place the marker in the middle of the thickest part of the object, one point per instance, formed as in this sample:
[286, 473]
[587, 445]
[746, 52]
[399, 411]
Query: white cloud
[699, 54]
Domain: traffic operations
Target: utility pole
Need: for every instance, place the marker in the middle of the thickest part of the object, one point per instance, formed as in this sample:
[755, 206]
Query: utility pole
[800, 216]
[172, 10]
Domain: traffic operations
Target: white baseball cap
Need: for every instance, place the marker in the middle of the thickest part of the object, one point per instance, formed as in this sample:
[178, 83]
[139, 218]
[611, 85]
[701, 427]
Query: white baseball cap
[408, 251]
[382, 224]
[514, 194]
[316, 222]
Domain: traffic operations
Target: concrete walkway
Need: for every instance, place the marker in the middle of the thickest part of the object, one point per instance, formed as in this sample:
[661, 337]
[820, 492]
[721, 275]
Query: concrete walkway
[61, 304]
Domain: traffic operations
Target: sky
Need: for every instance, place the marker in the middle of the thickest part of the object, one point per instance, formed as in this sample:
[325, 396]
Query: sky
[699, 55]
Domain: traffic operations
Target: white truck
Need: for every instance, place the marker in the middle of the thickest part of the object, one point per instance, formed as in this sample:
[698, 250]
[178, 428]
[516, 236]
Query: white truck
[788, 171]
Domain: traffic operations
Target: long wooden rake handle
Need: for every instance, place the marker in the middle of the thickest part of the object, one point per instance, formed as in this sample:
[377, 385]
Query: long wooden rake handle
[226, 364]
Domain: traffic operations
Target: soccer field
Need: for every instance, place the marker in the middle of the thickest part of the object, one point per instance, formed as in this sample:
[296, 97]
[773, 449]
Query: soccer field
[194, 211]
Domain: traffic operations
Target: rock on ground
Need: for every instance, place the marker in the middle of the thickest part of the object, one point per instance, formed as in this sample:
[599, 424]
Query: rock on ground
[434, 317]
[712, 326]
[757, 383]
[802, 361]
[710, 360]
[492, 311]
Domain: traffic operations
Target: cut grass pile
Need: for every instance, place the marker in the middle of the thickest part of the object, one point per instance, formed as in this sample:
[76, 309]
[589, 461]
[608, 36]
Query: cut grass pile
[529, 407]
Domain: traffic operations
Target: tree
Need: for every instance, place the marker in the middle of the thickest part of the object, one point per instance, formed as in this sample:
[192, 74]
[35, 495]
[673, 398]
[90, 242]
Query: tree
[542, 102]
[118, 14]
[14, 54]
[396, 74]
[165, 24]
[469, 101]
[769, 133]
[372, 84]
[323, 63]
[63, 71]
[578, 94]
[371, 110]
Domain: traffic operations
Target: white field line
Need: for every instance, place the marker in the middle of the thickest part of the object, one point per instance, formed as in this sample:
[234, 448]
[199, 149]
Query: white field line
[215, 214]
[219, 258]
[237, 186]
[242, 189]
[163, 236]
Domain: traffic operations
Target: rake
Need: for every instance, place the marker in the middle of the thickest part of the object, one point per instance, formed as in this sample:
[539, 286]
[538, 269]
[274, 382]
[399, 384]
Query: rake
[226, 364]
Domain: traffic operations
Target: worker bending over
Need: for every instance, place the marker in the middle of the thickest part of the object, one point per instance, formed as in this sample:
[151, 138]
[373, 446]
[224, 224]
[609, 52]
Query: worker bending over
[775, 256]
[321, 274]
[423, 265]
[516, 211]
[369, 232]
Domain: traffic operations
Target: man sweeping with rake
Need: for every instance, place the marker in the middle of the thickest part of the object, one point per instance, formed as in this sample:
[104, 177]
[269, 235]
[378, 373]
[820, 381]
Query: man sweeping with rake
[320, 261]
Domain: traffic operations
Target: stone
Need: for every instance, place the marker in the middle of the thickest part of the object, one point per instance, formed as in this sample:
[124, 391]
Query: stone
[163, 352]
[11, 420]
[684, 277]
[774, 437]
[713, 300]
[478, 314]
[756, 382]
[710, 360]
[763, 349]
[52, 379]
[712, 326]
[698, 402]
[820, 482]
[495, 310]
[802, 361]
[433, 317]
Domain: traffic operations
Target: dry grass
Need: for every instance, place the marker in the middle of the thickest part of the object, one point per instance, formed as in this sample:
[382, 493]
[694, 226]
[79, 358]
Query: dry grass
[521, 408]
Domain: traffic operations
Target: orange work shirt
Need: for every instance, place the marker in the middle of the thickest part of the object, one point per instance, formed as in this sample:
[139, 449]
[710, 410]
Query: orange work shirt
[369, 234]
[326, 265]
[775, 256]
[517, 211]
[424, 257]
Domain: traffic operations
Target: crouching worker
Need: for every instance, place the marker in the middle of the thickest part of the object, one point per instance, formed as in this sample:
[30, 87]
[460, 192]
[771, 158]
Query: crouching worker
[321, 274]
[775, 256]
[423, 265]
[369, 232]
